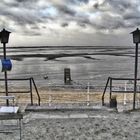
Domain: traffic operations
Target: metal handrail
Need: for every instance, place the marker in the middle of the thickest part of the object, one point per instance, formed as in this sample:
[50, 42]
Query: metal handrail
[105, 90]
[36, 90]
[109, 80]
[15, 79]
[31, 80]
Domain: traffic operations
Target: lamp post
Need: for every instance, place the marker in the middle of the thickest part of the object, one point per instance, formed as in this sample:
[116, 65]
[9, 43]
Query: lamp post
[136, 40]
[4, 37]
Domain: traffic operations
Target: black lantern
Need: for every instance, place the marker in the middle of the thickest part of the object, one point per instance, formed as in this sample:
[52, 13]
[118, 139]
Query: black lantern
[4, 36]
[136, 36]
[136, 40]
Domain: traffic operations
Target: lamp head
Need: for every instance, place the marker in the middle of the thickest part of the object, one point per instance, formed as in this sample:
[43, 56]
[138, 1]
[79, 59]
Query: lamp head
[4, 36]
[136, 36]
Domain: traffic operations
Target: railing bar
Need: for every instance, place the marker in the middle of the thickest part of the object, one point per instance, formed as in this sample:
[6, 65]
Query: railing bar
[16, 79]
[16, 92]
[25, 79]
[36, 91]
[121, 91]
[123, 78]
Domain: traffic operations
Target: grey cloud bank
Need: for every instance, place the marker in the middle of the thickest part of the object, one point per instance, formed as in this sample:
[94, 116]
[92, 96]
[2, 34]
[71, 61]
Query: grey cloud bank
[70, 22]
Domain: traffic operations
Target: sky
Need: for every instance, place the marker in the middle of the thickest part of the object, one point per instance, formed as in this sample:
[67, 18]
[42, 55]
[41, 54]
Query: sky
[70, 22]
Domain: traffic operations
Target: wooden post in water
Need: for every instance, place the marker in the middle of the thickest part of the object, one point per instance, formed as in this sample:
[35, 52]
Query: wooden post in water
[67, 76]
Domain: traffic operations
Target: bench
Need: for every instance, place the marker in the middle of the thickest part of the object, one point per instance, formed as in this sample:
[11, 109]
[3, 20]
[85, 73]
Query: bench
[10, 113]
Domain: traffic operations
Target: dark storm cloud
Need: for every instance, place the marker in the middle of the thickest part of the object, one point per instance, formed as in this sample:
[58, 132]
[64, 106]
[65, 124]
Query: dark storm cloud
[112, 14]
[16, 12]
[132, 15]
[35, 27]
[21, 0]
[85, 1]
[108, 22]
[30, 33]
[116, 14]
[121, 4]
[78, 1]
[19, 14]
[83, 25]
[83, 21]
[96, 5]
[66, 10]
[21, 17]
[64, 24]
[124, 7]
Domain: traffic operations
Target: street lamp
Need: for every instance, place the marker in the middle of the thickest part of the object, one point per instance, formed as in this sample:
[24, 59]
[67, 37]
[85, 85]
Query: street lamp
[4, 37]
[136, 40]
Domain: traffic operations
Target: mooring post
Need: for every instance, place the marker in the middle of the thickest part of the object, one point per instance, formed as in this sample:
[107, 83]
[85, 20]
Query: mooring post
[67, 76]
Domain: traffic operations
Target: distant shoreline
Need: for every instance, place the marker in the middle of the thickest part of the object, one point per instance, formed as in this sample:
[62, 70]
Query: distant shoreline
[20, 57]
[78, 46]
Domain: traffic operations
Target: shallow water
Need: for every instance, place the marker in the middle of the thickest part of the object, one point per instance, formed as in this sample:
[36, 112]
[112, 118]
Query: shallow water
[87, 64]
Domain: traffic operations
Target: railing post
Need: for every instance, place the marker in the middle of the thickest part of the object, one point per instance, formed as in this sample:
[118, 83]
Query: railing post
[135, 76]
[105, 91]
[31, 92]
[88, 94]
[110, 90]
[36, 90]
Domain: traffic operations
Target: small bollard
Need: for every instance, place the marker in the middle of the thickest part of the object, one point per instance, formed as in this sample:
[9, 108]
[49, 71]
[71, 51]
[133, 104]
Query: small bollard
[113, 102]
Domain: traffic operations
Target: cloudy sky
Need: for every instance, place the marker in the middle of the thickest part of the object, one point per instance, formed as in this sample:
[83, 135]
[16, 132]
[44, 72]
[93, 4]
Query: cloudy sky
[70, 22]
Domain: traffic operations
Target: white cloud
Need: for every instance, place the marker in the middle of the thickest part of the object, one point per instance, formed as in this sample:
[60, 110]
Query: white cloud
[46, 21]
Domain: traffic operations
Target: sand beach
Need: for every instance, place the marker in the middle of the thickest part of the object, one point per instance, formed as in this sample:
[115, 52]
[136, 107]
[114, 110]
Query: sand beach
[78, 125]
[99, 123]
